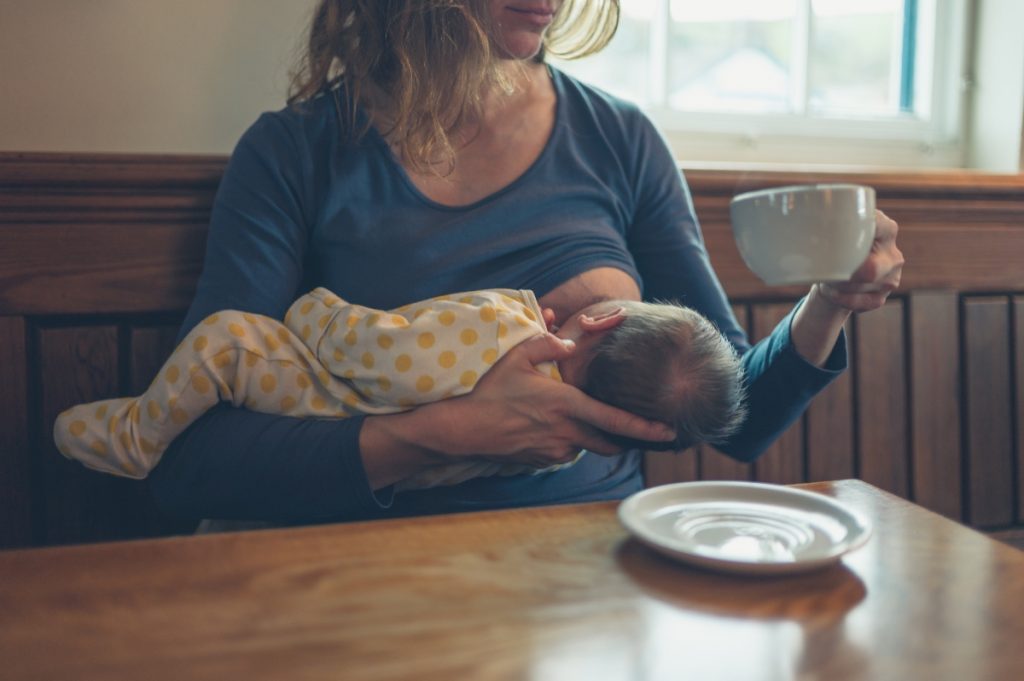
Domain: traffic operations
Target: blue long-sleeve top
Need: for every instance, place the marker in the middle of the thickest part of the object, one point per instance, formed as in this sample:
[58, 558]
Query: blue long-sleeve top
[305, 203]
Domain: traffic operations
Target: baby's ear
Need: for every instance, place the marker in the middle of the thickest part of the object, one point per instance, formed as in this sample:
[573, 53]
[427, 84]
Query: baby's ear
[602, 322]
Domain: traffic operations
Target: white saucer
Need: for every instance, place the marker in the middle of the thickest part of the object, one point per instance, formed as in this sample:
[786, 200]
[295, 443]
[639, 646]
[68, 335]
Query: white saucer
[744, 527]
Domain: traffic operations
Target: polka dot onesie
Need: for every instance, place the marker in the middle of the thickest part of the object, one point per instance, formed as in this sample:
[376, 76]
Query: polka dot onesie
[329, 359]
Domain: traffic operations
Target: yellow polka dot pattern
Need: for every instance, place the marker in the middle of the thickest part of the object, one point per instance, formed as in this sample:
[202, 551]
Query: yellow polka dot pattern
[330, 359]
[201, 384]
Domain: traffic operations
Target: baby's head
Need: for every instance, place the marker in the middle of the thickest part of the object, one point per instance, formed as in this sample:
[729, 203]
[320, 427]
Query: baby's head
[661, 361]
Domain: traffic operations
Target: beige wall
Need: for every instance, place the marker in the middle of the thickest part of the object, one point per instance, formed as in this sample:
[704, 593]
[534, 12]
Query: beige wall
[188, 76]
[997, 111]
[179, 76]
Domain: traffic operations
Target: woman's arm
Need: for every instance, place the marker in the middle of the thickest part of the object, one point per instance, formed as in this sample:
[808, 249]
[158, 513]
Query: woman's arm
[233, 463]
[803, 353]
[818, 323]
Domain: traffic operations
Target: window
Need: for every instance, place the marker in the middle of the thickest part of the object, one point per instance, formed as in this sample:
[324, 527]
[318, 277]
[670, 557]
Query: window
[874, 82]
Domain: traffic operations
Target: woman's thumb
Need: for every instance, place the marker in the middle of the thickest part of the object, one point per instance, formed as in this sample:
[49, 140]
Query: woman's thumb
[545, 347]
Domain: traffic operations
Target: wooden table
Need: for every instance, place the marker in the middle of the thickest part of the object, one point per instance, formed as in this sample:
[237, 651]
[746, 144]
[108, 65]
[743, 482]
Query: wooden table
[555, 593]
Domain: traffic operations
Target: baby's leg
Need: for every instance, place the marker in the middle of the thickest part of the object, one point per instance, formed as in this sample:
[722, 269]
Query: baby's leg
[248, 360]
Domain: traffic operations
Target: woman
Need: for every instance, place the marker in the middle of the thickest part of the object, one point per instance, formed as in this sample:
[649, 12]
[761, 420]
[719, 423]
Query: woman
[429, 149]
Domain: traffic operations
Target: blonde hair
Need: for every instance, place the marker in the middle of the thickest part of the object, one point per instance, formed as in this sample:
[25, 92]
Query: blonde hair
[421, 67]
[669, 363]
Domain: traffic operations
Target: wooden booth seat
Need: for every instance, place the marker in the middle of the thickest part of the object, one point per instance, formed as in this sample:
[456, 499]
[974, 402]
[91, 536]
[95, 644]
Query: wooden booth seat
[99, 257]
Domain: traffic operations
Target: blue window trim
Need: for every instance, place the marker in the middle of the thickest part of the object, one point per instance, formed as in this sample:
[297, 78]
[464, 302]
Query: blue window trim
[909, 50]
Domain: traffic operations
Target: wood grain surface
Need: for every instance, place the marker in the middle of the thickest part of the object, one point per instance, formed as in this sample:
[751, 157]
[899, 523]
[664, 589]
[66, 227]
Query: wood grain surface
[16, 479]
[557, 593]
[94, 233]
[935, 404]
[783, 462]
[989, 411]
[882, 399]
[830, 420]
[1018, 336]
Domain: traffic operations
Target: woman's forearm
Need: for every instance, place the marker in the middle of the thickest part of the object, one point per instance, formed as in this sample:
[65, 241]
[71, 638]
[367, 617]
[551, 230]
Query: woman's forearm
[238, 464]
[398, 446]
[816, 327]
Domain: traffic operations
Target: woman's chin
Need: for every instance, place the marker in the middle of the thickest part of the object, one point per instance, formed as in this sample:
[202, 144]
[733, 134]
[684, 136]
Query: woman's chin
[520, 47]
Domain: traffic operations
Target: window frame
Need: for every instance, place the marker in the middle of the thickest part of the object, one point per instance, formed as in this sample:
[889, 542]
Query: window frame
[932, 136]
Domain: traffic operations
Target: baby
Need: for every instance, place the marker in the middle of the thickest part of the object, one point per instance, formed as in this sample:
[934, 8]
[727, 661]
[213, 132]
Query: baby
[333, 359]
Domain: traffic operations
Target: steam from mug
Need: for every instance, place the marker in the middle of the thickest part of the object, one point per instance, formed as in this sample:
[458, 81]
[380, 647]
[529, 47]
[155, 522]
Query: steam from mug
[804, 234]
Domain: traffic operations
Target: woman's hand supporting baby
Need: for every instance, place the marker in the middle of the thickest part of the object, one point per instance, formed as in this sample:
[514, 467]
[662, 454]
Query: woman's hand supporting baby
[514, 415]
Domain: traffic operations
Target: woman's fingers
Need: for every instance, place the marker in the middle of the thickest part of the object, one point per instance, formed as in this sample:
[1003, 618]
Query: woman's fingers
[580, 407]
[884, 263]
[544, 347]
[521, 415]
[610, 419]
[877, 277]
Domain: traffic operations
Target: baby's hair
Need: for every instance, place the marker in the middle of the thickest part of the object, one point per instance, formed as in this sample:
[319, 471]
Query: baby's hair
[668, 363]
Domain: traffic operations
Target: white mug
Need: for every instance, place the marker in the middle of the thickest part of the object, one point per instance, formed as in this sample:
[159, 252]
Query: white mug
[804, 234]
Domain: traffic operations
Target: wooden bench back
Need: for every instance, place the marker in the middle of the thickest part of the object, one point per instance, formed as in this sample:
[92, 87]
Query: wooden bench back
[99, 256]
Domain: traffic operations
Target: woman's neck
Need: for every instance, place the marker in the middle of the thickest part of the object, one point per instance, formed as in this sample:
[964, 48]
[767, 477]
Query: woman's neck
[526, 83]
[493, 150]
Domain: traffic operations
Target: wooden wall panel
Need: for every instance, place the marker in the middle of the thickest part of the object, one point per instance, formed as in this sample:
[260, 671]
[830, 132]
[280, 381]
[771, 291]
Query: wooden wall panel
[96, 268]
[830, 425]
[150, 346]
[935, 402]
[1018, 337]
[882, 399]
[16, 480]
[783, 463]
[988, 408]
[122, 236]
[662, 468]
[950, 223]
[81, 364]
[714, 465]
[939, 257]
